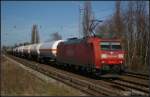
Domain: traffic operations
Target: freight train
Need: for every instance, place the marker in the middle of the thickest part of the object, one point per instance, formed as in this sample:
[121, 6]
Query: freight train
[92, 54]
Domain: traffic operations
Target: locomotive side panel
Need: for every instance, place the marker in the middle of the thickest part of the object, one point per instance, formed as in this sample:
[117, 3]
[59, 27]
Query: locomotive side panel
[75, 53]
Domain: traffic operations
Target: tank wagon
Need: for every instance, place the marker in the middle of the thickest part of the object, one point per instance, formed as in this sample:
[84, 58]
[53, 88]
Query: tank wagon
[33, 51]
[41, 52]
[21, 51]
[47, 51]
[26, 51]
[17, 51]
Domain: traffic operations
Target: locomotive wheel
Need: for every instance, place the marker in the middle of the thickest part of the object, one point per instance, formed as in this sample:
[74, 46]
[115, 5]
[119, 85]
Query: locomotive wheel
[69, 67]
[97, 73]
[41, 61]
[116, 69]
[76, 68]
[123, 69]
[83, 69]
[79, 68]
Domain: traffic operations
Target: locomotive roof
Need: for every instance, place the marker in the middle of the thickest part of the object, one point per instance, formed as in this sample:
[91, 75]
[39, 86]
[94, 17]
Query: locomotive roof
[109, 39]
[76, 40]
[70, 41]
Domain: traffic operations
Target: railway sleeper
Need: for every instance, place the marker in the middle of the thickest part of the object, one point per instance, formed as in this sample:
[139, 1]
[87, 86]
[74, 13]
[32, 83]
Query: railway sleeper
[64, 77]
[131, 72]
[79, 82]
[135, 82]
[132, 86]
[139, 93]
[127, 90]
[103, 91]
[137, 76]
[84, 89]
[108, 90]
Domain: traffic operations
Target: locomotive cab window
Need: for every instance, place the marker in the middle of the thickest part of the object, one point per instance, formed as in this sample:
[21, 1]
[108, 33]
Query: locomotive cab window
[110, 46]
[115, 46]
[105, 45]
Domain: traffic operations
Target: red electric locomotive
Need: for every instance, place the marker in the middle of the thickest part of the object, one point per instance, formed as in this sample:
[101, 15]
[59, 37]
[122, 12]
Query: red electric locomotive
[93, 54]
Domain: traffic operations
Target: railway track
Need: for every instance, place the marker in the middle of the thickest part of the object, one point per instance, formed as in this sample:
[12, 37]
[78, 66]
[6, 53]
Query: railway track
[118, 87]
[134, 80]
[137, 75]
[131, 86]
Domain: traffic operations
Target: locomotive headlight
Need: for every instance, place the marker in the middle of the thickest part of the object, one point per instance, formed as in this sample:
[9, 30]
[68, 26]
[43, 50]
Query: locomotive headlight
[120, 56]
[103, 55]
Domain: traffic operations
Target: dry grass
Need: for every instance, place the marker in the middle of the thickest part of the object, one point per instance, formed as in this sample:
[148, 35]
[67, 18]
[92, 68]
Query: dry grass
[17, 81]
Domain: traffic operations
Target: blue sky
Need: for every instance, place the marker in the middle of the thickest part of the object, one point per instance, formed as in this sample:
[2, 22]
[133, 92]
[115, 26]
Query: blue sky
[17, 18]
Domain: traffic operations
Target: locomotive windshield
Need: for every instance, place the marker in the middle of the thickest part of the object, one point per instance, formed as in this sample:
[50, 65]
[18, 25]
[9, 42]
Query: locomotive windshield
[110, 46]
[115, 46]
[105, 45]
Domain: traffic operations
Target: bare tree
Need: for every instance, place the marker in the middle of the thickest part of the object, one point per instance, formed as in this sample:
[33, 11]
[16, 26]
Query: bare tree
[118, 21]
[129, 18]
[137, 35]
[115, 25]
[54, 36]
[35, 35]
[87, 17]
[105, 30]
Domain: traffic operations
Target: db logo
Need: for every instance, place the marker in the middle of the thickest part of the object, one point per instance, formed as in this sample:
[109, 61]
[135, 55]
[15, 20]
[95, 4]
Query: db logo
[70, 53]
